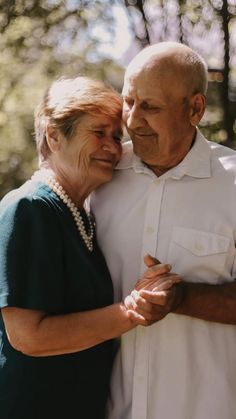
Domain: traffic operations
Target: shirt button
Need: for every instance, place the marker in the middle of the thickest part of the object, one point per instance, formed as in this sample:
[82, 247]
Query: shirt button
[150, 230]
[199, 247]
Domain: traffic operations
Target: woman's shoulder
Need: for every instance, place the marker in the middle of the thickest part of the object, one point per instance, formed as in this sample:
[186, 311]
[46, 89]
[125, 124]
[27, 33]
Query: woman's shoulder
[28, 196]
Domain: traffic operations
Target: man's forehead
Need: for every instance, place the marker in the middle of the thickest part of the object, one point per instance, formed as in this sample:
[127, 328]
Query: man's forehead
[140, 92]
[155, 64]
[141, 85]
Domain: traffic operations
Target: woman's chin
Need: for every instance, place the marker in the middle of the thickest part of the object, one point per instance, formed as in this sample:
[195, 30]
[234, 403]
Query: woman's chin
[102, 178]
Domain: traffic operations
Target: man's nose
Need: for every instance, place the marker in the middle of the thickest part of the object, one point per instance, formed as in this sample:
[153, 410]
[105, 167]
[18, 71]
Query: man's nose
[134, 118]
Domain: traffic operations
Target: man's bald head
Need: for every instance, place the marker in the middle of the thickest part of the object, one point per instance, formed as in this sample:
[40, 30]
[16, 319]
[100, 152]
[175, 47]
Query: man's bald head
[163, 102]
[172, 61]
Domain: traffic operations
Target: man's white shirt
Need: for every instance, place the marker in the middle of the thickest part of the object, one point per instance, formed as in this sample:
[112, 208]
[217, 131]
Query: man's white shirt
[180, 367]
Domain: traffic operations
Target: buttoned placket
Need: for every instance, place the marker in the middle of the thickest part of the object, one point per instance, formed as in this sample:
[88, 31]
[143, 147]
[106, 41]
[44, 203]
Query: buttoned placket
[142, 343]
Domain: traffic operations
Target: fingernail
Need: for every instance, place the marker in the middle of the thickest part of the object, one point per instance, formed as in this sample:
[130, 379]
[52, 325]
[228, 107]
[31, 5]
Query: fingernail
[169, 267]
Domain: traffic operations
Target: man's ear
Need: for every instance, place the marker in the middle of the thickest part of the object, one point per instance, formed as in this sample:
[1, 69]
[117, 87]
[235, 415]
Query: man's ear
[197, 108]
[53, 137]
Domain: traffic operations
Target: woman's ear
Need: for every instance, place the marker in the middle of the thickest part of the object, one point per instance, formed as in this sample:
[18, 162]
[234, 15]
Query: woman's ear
[197, 108]
[53, 137]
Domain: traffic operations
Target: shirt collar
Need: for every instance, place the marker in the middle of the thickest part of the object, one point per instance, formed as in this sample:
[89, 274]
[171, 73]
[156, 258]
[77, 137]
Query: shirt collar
[196, 163]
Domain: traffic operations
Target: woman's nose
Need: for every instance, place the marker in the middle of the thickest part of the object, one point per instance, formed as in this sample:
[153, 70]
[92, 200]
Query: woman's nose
[110, 145]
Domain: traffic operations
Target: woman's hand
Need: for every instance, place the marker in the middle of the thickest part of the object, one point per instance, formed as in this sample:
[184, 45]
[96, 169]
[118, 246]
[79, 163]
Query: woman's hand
[155, 294]
[157, 277]
[153, 275]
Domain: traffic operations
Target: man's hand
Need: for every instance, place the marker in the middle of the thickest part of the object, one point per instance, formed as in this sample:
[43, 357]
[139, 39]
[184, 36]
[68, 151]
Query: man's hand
[155, 295]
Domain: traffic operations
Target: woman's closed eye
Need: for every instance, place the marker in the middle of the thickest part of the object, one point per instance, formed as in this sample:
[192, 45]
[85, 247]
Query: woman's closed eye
[99, 133]
[117, 138]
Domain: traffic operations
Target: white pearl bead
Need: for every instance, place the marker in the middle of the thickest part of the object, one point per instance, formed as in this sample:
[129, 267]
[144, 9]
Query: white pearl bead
[87, 237]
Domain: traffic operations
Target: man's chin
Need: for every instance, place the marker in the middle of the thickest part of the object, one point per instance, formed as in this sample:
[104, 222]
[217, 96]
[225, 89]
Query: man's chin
[144, 150]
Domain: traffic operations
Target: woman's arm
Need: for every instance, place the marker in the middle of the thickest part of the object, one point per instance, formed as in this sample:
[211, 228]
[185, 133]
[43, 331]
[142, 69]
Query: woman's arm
[35, 333]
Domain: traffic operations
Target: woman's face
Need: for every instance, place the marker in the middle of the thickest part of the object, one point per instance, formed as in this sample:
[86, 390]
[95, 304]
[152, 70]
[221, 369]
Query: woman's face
[92, 153]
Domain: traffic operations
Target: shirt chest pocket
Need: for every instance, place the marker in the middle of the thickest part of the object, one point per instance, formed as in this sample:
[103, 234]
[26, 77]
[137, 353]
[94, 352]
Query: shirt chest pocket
[198, 255]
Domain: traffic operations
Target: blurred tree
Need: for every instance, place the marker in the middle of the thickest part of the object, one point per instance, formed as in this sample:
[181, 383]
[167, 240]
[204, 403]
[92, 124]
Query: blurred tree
[229, 117]
[41, 40]
[139, 22]
[44, 39]
[199, 24]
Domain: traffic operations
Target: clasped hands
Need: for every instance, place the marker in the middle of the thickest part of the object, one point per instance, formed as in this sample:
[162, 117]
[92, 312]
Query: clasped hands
[155, 295]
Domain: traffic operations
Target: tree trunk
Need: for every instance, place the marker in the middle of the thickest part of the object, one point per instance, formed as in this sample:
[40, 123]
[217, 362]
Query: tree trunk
[228, 120]
[145, 39]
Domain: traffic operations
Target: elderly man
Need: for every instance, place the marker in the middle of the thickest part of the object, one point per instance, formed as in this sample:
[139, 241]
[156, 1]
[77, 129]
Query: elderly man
[173, 196]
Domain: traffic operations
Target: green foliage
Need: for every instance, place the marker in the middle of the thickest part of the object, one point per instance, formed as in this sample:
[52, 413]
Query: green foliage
[44, 39]
[208, 26]
[39, 41]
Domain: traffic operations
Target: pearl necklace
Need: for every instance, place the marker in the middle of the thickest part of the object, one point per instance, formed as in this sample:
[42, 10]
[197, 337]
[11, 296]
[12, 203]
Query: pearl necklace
[87, 237]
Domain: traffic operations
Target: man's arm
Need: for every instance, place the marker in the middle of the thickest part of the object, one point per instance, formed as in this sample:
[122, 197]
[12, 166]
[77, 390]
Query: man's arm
[216, 303]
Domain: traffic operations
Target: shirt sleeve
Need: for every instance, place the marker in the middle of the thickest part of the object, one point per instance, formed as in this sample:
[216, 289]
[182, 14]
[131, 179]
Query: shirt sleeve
[234, 266]
[31, 270]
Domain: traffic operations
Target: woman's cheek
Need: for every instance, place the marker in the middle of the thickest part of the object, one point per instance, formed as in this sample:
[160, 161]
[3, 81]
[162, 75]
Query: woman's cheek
[84, 156]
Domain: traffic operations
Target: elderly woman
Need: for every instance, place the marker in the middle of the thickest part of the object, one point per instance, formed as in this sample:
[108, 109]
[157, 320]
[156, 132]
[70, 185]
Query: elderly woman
[57, 317]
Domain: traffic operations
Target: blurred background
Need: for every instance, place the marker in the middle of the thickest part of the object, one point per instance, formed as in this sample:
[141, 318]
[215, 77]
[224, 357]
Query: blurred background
[44, 39]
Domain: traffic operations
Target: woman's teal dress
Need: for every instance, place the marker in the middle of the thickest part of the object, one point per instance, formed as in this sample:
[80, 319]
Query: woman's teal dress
[45, 265]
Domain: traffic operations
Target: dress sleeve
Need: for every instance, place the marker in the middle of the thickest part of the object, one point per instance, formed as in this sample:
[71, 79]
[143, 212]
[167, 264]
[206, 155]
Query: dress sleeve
[31, 260]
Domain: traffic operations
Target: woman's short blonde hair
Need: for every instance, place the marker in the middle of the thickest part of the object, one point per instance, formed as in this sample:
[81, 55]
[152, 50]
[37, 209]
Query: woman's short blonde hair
[66, 101]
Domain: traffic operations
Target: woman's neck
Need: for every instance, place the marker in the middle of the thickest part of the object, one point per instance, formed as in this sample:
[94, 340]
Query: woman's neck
[77, 190]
